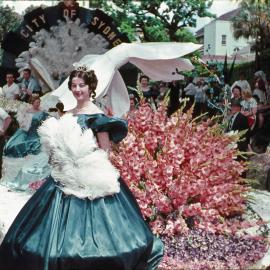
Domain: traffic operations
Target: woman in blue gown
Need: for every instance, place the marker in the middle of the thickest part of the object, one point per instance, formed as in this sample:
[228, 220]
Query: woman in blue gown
[60, 231]
[23, 160]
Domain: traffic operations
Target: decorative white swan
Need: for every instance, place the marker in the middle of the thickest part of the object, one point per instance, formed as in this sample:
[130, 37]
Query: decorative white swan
[158, 60]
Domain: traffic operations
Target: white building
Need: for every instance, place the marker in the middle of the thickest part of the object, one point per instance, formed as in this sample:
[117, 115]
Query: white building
[218, 40]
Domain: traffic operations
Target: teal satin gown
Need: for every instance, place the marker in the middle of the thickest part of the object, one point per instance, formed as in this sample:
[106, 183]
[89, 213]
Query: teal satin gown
[23, 160]
[55, 231]
[24, 143]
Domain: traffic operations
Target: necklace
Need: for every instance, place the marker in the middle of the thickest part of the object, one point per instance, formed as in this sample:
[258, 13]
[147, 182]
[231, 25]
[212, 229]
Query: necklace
[88, 108]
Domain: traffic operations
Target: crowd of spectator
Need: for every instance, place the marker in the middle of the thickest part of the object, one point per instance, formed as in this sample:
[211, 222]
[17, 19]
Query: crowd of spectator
[241, 106]
[23, 88]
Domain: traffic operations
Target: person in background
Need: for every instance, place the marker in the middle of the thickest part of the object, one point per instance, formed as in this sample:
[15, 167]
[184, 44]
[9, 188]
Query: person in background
[149, 93]
[260, 91]
[190, 90]
[132, 107]
[23, 159]
[237, 93]
[200, 98]
[242, 82]
[29, 86]
[11, 90]
[238, 122]
[163, 89]
[60, 109]
[249, 107]
[5, 121]
[174, 97]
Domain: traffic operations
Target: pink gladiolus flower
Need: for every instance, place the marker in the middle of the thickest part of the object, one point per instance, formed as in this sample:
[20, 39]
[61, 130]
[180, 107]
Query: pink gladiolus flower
[179, 169]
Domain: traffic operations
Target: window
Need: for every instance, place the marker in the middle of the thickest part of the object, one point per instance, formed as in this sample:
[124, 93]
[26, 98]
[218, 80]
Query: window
[223, 40]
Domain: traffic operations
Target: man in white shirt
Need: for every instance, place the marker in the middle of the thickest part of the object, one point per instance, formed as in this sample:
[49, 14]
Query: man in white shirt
[190, 90]
[11, 90]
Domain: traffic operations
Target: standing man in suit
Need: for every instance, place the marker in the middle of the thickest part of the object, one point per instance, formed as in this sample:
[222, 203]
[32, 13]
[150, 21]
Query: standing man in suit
[29, 86]
[239, 122]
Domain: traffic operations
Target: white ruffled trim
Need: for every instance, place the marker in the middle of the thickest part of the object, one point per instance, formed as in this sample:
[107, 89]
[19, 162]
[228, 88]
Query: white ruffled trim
[24, 118]
[78, 166]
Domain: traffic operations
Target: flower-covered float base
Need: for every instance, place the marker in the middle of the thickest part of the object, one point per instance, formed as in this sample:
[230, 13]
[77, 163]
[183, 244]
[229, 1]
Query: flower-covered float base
[187, 178]
[205, 250]
[248, 249]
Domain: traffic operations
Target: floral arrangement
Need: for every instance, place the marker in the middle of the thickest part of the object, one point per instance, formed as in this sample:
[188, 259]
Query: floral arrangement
[10, 105]
[187, 180]
[181, 172]
[206, 250]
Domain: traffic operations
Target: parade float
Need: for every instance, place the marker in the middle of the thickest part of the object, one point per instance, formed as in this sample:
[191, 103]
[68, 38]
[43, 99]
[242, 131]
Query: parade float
[184, 174]
[188, 182]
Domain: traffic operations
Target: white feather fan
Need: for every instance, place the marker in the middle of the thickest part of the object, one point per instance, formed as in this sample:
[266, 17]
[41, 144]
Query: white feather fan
[80, 168]
[24, 117]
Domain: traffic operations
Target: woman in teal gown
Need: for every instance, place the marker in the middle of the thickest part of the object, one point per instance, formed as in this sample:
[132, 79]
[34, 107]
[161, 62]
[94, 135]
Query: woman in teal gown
[59, 231]
[23, 160]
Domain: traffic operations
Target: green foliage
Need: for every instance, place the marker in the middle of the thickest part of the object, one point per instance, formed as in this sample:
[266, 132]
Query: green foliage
[128, 30]
[156, 31]
[184, 35]
[9, 20]
[158, 20]
[253, 22]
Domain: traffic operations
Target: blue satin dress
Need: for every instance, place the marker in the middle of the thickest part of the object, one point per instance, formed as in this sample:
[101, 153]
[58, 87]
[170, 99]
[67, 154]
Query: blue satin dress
[55, 231]
[23, 161]
[23, 142]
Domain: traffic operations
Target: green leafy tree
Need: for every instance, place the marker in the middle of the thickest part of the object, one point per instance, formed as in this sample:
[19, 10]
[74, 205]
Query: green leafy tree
[9, 20]
[253, 22]
[157, 20]
[184, 35]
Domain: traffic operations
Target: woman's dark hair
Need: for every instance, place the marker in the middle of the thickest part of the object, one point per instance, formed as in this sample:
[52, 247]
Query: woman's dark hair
[33, 98]
[52, 110]
[144, 77]
[89, 78]
[60, 106]
[261, 85]
[238, 87]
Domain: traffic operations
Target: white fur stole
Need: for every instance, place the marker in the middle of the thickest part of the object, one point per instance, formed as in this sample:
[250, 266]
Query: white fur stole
[81, 168]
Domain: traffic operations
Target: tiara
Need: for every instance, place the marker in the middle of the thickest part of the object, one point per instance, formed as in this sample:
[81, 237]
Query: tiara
[81, 68]
[84, 68]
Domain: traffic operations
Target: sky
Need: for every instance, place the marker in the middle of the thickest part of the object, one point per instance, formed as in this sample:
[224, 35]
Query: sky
[219, 7]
